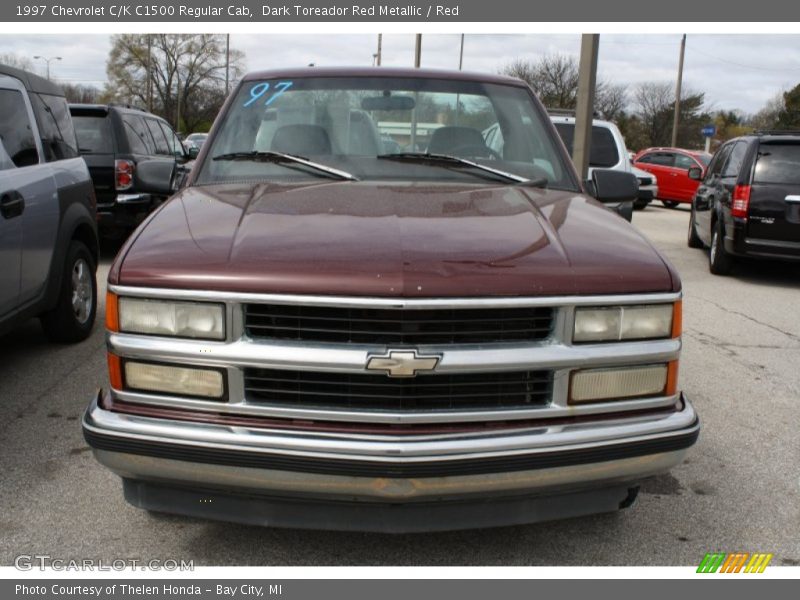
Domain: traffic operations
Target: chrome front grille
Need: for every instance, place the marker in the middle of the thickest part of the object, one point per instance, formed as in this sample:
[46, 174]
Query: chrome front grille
[304, 358]
[430, 392]
[383, 326]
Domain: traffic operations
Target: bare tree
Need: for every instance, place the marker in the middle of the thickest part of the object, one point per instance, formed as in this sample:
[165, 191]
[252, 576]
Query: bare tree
[654, 106]
[17, 61]
[81, 94]
[767, 117]
[653, 102]
[187, 73]
[611, 100]
[554, 78]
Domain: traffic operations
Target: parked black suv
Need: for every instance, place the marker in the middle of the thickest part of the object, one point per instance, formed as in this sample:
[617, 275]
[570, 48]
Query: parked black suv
[748, 204]
[48, 234]
[113, 139]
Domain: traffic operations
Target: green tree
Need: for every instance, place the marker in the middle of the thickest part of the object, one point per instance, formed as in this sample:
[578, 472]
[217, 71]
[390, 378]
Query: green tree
[789, 117]
[186, 74]
[655, 107]
[730, 124]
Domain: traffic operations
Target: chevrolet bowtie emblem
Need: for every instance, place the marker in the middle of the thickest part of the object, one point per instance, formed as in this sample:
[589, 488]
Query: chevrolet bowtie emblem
[402, 363]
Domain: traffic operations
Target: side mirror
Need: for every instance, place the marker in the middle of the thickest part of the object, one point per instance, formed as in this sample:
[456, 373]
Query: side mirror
[182, 175]
[155, 177]
[193, 152]
[614, 187]
[695, 173]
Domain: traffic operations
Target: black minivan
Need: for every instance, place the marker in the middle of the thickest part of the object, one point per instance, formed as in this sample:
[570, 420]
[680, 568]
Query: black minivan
[748, 203]
[113, 139]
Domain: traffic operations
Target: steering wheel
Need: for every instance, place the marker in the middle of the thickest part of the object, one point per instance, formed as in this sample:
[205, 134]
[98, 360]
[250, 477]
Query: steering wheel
[475, 150]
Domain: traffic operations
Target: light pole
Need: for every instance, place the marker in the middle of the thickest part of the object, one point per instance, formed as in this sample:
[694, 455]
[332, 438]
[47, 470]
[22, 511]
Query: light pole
[47, 60]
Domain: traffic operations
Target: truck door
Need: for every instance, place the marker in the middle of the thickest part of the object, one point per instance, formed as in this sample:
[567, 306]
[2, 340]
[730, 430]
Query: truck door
[25, 182]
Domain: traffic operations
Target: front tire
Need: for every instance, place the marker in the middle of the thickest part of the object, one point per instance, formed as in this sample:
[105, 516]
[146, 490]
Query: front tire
[72, 318]
[719, 261]
[670, 203]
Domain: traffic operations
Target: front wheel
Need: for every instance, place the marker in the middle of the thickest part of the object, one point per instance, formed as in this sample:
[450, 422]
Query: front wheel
[670, 203]
[72, 318]
[720, 262]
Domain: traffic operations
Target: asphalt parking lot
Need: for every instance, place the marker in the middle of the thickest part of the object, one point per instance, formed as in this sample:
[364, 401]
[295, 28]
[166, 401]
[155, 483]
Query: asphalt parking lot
[738, 491]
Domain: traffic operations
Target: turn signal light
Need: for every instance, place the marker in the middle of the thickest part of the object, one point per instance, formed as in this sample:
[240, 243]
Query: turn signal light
[114, 371]
[112, 312]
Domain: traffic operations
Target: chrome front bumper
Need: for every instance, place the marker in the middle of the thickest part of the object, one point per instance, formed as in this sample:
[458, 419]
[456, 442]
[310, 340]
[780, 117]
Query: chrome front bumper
[384, 468]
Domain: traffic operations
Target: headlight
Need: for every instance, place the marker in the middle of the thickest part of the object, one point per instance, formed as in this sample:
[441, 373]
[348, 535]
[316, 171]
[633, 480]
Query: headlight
[200, 320]
[168, 379]
[617, 323]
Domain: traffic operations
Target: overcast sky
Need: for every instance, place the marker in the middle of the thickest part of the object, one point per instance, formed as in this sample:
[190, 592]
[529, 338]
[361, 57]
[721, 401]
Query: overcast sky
[736, 71]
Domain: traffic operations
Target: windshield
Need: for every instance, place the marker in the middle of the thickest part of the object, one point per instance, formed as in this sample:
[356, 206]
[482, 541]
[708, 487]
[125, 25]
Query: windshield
[348, 123]
[94, 134]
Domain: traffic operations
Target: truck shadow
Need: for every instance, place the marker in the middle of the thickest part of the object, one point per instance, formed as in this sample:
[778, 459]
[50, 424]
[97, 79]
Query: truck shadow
[515, 545]
[767, 273]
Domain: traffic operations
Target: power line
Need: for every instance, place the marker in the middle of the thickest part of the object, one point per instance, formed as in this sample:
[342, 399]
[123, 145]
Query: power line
[754, 67]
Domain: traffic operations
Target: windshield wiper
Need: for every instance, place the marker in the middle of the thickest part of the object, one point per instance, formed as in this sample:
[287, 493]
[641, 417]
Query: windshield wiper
[455, 161]
[288, 160]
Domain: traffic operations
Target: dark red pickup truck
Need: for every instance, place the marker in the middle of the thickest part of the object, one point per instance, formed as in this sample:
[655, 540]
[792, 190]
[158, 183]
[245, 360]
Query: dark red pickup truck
[356, 315]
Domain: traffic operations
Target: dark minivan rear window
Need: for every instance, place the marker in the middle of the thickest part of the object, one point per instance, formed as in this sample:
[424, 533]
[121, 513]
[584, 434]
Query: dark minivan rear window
[94, 134]
[778, 163]
[604, 148]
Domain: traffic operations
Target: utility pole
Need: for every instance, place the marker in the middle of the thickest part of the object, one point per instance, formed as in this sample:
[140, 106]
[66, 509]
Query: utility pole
[461, 54]
[227, 62]
[380, 50]
[584, 111]
[676, 118]
[149, 89]
[418, 51]
[178, 108]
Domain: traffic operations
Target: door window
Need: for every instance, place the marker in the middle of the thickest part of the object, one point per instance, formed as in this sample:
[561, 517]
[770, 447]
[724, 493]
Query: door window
[175, 145]
[734, 163]
[162, 147]
[715, 168]
[139, 138]
[684, 162]
[57, 132]
[664, 159]
[16, 132]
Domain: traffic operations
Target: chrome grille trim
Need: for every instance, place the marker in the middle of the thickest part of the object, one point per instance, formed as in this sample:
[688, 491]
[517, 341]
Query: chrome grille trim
[380, 302]
[238, 352]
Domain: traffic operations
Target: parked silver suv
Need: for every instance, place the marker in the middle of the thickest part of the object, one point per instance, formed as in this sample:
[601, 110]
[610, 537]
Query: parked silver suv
[608, 152]
[48, 234]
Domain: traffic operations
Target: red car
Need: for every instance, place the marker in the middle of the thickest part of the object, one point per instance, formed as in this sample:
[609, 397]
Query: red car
[671, 167]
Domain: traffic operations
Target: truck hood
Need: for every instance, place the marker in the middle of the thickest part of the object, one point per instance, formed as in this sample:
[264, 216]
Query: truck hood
[390, 239]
